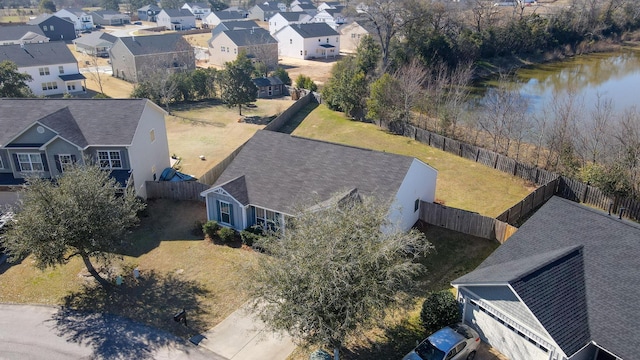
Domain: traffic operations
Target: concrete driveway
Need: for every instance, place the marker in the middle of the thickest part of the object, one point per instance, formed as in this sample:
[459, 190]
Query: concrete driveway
[241, 336]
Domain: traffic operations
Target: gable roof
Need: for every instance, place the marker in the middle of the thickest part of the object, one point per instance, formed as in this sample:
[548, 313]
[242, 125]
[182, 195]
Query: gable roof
[268, 81]
[44, 17]
[74, 119]
[253, 36]
[15, 32]
[596, 257]
[198, 5]
[268, 7]
[293, 16]
[75, 11]
[280, 171]
[306, 6]
[37, 54]
[312, 30]
[178, 12]
[95, 38]
[150, 7]
[155, 44]
[230, 14]
[107, 14]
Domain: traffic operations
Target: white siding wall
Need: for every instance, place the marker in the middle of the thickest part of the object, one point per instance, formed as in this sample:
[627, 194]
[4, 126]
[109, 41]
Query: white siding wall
[36, 84]
[290, 48]
[276, 23]
[217, 56]
[146, 155]
[419, 183]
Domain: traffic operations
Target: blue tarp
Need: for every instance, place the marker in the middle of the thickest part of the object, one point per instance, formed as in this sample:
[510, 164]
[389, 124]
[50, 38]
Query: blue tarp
[170, 174]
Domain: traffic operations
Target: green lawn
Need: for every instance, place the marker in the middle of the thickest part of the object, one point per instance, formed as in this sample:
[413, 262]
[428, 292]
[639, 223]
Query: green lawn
[461, 183]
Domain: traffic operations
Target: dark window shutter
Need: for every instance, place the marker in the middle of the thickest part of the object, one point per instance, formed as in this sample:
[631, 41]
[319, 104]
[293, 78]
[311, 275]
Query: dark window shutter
[231, 214]
[44, 162]
[73, 159]
[56, 159]
[218, 210]
[16, 162]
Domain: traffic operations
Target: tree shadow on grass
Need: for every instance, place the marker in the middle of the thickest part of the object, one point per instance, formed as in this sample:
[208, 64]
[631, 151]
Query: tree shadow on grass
[396, 341]
[296, 120]
[94, 316]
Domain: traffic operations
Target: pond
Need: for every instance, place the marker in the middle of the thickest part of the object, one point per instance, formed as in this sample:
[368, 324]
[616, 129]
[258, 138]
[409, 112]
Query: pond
[614, 76]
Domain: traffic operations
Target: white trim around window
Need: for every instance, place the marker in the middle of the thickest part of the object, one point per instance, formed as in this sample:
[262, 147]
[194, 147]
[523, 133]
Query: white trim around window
[1, 163]
[66, 162]
[225, 213]
[109, 159]
[30, 162]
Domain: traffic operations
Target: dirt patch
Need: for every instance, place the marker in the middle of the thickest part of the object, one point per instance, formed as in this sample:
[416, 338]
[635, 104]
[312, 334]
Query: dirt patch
[319, 70]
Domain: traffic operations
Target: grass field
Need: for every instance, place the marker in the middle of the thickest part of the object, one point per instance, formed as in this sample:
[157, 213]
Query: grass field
[461, 183]
[213, 130]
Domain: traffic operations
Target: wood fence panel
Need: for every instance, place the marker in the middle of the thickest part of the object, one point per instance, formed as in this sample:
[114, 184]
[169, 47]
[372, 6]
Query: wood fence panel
[452, 146]
[410, 131]
[597, 197]
[545, 176]
[436, 141]
[506, 164]
[487, 157]
[214, 173]
[527, 205]
[527, 172]
[568, 189]
[176, 190]
[423, 136]
[286, 115]
[550, 189]
[515, 214]
[469, 151]
[631, 208]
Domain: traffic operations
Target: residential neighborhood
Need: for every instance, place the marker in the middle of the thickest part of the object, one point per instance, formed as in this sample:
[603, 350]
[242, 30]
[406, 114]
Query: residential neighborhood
[317, 180]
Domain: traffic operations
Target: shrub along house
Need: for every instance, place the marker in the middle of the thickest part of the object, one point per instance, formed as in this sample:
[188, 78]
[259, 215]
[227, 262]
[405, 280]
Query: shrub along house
[562, 287]
[44, 136]
[275, 172]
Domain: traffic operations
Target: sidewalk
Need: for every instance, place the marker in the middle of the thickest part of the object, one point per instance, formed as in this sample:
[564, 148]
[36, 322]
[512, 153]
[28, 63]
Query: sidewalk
[242, 336]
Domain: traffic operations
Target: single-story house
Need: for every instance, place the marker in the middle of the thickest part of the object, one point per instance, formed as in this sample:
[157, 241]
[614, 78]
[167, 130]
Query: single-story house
[269, 86]
[55, 28]
[199, 10]
[81, 19]
[97, 43]
[256, 43]
[110, 17]
[275, 172]
[149, 13]
[217, 17]
[136, 57]
[45, 136]
[234, 25]
[21, 34]
[53, 68]
[563, 287]
[176, 19]
[308, 41]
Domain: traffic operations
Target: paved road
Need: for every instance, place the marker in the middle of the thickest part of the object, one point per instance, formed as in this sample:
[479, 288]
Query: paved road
[42, 332]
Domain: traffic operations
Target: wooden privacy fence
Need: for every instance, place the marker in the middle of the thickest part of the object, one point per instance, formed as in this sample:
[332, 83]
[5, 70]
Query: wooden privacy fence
[286, 115]
[214, 173]
[465, 222]
[176, 190]
[529, 203]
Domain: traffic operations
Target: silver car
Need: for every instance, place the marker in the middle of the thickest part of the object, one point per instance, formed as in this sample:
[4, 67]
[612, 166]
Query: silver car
[455, 342]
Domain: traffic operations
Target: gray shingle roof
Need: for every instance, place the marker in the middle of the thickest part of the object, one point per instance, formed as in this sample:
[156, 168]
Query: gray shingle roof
[178, 12]
[229, 14]
[150, 7]
[49, 53]
[293, 16]
[268, 81]
[15, 32]
[604, 266]
[313, 30]
[95, 38]
[247, 37]
[281, 171]
[74, 119]
[155, 44]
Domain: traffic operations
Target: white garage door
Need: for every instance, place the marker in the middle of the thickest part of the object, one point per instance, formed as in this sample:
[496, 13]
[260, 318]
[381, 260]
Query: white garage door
[503, 337]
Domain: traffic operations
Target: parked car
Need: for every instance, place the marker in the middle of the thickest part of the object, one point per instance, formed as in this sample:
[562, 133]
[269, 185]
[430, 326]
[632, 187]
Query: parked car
[454, 342]
[137, 23]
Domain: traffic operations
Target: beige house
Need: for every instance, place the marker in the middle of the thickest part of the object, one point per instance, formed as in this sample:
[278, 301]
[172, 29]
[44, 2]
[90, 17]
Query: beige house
[350, 35]
[255, 42]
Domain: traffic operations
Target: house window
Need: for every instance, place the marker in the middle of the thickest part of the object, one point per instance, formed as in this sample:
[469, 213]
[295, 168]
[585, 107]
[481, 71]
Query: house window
[353, 36]
[300, 52]
[61, 69]
[44, 28]
[221, 48]
[228, 49]
[30, 162]
[152, 135]
[66, 162]
[1, 163]
[43, 71]
[416, 205]
[267, 219]
[290, 41]
[225, 212]
[49, 86]
[338, 39]
[235, 50]
[110, 159]
[327, 40]
[51, 27]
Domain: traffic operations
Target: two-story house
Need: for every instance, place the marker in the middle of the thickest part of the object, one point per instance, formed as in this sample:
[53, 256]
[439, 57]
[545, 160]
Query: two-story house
[199, 10]
[110, 17]
[21, 34]
[332, 17]
[176, 19]
[257, 44]
[263, 12]
[304, 7]
[55, 28]
[81, 19]
[43, 137]
[217, 17]
[134, 58]
[52, 66]
[149, 12]
[308, 41]
[283, 19]
[351, 33]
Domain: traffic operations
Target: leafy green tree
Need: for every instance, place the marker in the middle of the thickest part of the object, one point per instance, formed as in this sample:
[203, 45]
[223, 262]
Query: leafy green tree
[439, 309]
[336, 270]
[12, 82]
[383, 100]
[346, 89]
[236, 84]
[305, 82]
[204, 82]
[282, 74]
[171, 4]
[47, 6]
[81, 214]
[217, 5]
[368, 54]
[134, 5]
[110, 5]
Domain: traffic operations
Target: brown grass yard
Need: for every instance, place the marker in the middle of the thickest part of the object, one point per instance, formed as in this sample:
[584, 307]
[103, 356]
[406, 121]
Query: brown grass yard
[213, 130]
[461, 183]
[178, 269]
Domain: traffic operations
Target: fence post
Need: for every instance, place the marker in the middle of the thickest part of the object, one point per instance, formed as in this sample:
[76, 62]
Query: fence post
[584, 194]
[477, 153]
